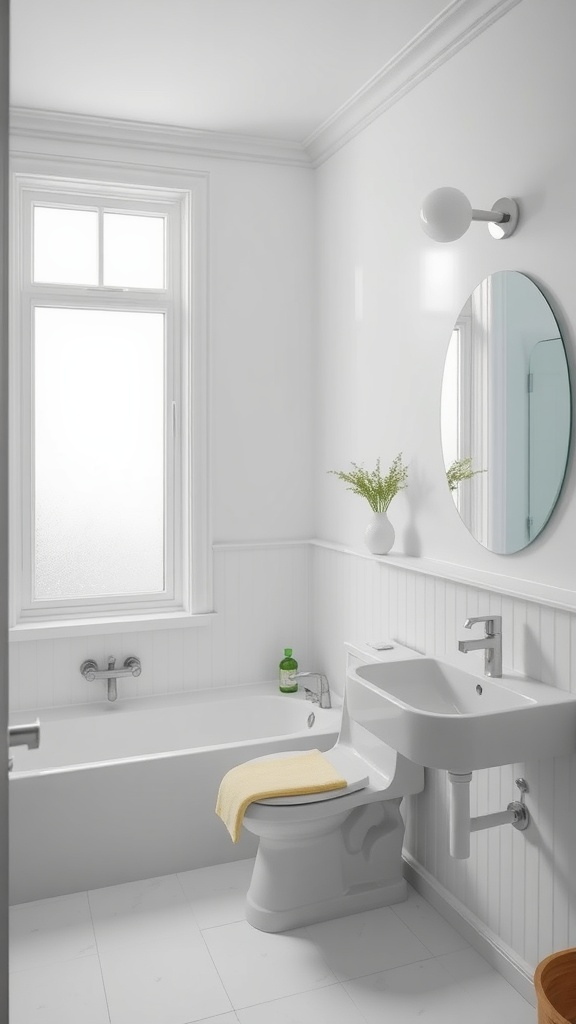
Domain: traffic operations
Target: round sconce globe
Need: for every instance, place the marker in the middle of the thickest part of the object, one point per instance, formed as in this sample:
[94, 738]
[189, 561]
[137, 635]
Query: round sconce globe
[446, 214]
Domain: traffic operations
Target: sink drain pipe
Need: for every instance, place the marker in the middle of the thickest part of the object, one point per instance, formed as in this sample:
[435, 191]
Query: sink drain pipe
[461, 824]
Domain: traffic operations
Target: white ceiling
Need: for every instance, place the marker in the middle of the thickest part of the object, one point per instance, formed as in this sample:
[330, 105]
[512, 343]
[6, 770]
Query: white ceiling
[271, 68]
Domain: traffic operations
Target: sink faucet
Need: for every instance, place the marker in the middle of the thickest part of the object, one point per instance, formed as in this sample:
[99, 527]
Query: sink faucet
[491, 643]
[319, 696]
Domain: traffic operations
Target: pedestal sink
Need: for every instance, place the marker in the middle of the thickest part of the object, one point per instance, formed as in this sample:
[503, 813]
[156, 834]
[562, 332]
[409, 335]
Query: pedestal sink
[440, 716]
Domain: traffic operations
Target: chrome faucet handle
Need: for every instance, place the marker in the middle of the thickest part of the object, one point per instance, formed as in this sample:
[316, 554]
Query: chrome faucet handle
[89, 669]
[493, 623]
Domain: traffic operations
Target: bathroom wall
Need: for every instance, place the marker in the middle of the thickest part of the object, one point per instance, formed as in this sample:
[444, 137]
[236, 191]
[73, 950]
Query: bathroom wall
[261, 593]
[260, 351]
[4, 93]
[495, 120]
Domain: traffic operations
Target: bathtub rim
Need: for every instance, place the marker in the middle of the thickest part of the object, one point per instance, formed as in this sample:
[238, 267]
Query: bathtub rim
[129, 705]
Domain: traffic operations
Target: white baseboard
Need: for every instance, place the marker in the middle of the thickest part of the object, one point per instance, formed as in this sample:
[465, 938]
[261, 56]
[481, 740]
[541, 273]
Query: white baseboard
[499, 955]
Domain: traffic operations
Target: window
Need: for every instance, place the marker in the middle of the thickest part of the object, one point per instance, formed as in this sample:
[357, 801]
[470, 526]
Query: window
[107, 366]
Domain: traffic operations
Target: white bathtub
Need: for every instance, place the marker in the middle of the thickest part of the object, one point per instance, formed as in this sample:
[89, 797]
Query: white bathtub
[123, 791]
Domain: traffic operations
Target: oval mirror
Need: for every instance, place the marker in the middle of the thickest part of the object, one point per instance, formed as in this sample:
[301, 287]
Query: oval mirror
[506, 412]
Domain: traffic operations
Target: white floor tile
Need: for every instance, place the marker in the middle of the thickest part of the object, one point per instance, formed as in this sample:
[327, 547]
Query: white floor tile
[154, 961]
[428, 925]
[217, 895]
[323, 1006]
[61, 993]
[152, 964]
[255, 966]
[222, 1018]
[50, 930]
[365, 943]
[153, 914]
[429, 993]
[171, 985]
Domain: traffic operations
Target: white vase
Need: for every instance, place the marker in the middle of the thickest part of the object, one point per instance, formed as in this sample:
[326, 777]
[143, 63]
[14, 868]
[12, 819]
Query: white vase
[379, 534]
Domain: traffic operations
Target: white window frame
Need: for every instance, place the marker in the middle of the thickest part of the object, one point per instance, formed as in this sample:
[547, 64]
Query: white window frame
[187, 597]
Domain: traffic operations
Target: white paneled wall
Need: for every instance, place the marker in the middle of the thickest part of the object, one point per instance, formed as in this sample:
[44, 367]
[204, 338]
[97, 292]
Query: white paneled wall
[519, 884]
[261, 596]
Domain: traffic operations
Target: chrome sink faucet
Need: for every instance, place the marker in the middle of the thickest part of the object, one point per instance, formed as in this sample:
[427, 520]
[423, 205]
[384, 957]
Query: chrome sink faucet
[490, 643]
[321, 695]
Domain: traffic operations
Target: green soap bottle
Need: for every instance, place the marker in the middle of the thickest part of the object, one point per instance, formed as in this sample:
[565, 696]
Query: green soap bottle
[288, 666]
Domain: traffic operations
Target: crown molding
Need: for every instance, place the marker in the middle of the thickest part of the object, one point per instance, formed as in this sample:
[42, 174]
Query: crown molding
[87, 129]
[456, 26]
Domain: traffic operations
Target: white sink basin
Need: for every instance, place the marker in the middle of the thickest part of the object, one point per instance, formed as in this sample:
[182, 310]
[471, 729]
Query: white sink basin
[440, 716]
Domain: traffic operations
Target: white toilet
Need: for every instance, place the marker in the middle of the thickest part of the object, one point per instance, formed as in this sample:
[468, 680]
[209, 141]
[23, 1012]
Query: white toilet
[328, 854]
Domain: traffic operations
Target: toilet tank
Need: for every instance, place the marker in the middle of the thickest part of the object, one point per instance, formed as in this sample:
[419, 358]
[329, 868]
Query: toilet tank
[372, 749]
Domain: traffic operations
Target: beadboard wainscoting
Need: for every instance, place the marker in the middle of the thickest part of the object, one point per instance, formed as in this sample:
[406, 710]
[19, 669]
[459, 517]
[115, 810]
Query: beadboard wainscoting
[517, 888]
[262, 604]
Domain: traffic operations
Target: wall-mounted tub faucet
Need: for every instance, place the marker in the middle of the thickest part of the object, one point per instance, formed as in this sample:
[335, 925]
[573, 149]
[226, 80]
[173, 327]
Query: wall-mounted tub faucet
[320, 696]
[490, 643]
[90, 671]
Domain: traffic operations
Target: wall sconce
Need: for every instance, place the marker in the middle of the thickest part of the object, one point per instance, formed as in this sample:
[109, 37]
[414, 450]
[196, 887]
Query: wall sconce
[446, 214]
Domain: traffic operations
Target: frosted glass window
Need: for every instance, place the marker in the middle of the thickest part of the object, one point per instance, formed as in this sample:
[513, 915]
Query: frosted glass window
[65, 246]
[99, 453]
[133, 251]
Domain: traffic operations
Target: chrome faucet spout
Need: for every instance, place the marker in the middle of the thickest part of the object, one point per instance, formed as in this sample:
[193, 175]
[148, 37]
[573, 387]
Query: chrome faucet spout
[112, 687]
[320, 696]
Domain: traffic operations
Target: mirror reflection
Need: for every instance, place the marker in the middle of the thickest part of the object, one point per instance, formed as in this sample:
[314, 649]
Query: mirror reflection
[506, 412]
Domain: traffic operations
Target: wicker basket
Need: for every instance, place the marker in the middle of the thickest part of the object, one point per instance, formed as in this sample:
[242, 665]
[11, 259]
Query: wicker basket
[555, 984]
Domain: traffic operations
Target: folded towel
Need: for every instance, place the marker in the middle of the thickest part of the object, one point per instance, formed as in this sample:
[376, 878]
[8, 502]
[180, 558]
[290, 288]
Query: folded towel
[309, 772]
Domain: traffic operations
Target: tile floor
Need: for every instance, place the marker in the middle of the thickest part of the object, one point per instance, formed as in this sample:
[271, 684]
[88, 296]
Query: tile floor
[177, 949]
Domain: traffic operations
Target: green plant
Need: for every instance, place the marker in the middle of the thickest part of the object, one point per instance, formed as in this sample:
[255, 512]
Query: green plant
[377, 490]
[461, 469]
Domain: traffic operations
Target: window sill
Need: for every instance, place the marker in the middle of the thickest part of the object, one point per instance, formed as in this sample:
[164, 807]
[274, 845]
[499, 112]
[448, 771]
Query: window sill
[104, 626]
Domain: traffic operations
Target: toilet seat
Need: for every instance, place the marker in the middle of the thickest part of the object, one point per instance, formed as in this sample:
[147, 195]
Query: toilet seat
[345, 761]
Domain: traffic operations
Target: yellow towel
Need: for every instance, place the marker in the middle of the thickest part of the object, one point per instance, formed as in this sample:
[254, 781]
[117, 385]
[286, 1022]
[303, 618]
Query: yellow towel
[309, 772]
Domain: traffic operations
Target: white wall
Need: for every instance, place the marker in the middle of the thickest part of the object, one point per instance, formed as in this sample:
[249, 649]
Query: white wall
[494, 120]
[262, 598]
[260, 350]
[497, 119]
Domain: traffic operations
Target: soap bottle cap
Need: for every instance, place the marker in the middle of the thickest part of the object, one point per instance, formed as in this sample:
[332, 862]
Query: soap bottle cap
[287, 652]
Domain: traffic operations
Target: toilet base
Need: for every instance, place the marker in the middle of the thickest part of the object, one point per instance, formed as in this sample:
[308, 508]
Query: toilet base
[339, 906]
[327, 866]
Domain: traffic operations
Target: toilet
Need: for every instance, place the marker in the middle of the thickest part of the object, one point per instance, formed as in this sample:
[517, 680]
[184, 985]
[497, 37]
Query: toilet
[328, 854]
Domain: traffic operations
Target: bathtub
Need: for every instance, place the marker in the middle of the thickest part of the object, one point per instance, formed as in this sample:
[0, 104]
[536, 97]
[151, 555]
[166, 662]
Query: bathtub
[122, 791]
